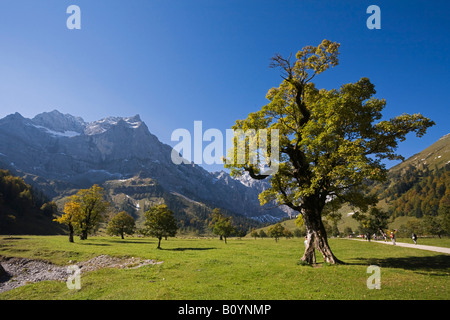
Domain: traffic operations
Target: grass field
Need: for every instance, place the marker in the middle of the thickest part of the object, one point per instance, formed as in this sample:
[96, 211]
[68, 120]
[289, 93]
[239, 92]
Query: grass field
[243, 269]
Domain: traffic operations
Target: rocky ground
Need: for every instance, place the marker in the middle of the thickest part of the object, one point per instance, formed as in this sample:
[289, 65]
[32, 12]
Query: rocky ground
[16, 272]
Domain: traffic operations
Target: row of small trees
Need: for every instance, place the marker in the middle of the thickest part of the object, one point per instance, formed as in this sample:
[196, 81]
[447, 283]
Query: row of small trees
[84, 211]
[277, 231]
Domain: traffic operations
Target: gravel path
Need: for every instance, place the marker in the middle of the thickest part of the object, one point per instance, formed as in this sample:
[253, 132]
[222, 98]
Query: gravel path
[410, 245]
[16, 272]
[419, 246]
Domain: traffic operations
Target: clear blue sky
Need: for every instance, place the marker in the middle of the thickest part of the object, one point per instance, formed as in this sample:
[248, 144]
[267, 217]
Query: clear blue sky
[174, 62]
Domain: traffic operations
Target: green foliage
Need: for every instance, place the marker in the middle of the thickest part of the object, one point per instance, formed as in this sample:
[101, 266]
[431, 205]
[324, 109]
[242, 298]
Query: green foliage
[373, 221]
[22, 208]
[160, 222]
[193, 218]
[49, 208]
[262, 234]
[254, 233]
[222, 225]
[348, 231]
[122, 223]
[330, 141]
[18, 195]
[419, 192]
[84, 211]
[276, 231]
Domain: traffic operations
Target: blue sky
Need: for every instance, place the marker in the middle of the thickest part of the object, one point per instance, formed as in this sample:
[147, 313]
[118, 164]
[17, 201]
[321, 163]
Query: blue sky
[174, 62]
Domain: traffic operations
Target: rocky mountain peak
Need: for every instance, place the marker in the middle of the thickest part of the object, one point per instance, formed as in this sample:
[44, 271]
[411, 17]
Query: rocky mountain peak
[66, 153]
[58, 122]
[102, 125]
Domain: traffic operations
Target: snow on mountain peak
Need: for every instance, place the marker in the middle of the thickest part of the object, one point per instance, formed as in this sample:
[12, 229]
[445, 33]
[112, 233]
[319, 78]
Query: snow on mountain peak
[57, 123]
[66, 125]
[100, 126]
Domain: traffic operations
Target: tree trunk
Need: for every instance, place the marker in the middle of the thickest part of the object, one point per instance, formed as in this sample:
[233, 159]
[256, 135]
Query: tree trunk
[70, 233]
[83, 235]
[309, 255]
[159, 243]
[316, 238]
[121, 234]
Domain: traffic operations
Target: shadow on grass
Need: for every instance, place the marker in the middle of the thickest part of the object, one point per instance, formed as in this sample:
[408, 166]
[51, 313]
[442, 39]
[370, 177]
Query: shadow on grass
[11, 238]
[185, 249]
[438, 265]
[132, 241]
[94, 244]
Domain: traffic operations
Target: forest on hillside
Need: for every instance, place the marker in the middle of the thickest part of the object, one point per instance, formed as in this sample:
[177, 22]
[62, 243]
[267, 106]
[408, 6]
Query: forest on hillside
[419, 192]
[24, 209]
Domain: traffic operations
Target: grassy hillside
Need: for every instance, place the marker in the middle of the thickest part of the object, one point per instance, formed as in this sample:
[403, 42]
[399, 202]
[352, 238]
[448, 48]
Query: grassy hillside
[242, 269]
[435, 156]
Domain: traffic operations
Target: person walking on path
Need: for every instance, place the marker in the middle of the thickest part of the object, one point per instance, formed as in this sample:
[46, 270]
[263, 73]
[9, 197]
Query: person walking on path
[414, 238]
[393, 236]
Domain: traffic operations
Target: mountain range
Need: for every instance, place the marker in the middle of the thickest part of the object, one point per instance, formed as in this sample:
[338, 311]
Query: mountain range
[60, 153]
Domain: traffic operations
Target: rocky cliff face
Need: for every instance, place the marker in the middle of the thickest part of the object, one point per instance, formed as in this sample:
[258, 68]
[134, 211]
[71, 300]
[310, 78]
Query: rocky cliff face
[62, 153]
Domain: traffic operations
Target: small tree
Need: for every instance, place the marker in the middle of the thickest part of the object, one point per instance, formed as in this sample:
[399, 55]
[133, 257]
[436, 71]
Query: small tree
[254, 233]
[69, 218]
[299, 232]
[276, 231]
[262, 234]
[222, 225]
[122, 223]
[432, 225]
[288, 233]
[372, 222]
[160, 222]
[83, 211]
[348, 231]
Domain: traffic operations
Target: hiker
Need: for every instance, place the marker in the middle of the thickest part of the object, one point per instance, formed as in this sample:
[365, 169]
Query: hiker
[393, 236]
[414, 238]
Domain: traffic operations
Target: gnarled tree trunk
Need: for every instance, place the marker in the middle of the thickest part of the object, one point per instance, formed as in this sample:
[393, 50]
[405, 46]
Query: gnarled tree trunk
[316, 238]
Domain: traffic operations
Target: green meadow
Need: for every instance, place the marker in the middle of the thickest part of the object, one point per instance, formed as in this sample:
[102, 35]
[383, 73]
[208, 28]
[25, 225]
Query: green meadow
[242, 269]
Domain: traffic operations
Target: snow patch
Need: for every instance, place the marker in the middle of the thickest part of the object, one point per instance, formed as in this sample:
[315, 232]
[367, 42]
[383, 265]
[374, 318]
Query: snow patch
[68, 134]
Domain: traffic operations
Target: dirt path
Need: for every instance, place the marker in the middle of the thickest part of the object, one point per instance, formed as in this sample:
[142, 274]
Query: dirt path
[410, 245]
